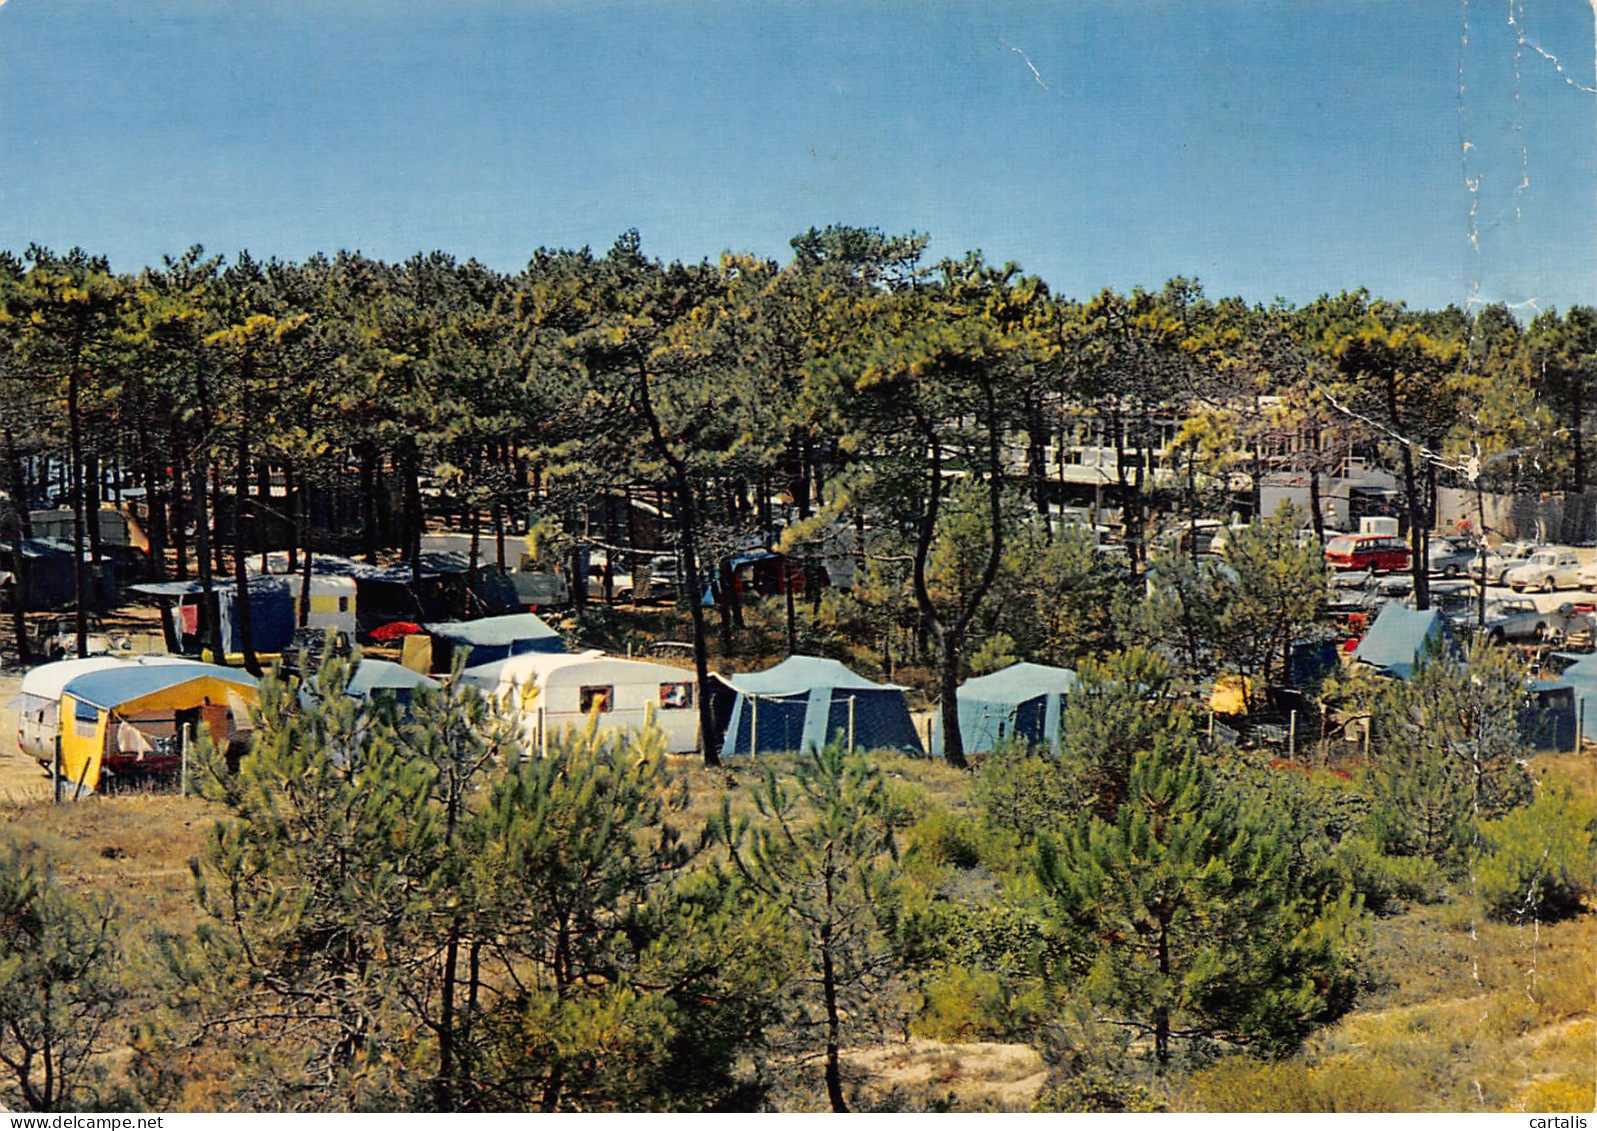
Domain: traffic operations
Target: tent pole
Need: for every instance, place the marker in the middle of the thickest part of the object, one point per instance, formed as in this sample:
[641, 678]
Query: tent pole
[851, 724]
[183, 751]
[55, 771]
[754, 725]
[1292, 736]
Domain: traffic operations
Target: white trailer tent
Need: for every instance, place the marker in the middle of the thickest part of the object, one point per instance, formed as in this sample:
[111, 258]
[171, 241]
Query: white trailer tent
[1019, 703]
[39, 704]
[625, 693]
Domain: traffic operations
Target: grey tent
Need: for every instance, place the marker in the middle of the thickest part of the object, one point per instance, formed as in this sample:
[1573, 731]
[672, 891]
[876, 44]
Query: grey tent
[491, 639]
[1401, 638]
[1582, 677]
[372, 678]
[1020, 702]
[805, 702]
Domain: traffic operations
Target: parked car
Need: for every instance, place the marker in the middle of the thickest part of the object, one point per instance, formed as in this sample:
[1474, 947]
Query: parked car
[1550, 568]
[1458, 601]
[57, 638]
[1517, 618]
[1376, 552]
[1454, 558]
[1505, 558]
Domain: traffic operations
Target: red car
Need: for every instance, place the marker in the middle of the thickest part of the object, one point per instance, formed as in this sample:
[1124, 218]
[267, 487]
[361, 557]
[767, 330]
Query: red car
[1375, 552]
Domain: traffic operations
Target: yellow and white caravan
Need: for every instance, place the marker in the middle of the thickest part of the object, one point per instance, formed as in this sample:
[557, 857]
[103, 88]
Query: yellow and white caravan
[569, 688]
[39, 704]
[128, 720]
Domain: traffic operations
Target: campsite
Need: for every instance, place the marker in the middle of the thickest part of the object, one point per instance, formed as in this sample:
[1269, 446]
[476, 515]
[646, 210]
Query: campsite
[849, 675]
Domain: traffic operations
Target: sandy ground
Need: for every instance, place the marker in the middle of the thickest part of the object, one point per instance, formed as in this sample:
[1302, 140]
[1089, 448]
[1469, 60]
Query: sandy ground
[21, 778]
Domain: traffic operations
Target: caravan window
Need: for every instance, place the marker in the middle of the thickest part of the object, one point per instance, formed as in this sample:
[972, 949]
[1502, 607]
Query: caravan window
[676, 696]
[592, 698]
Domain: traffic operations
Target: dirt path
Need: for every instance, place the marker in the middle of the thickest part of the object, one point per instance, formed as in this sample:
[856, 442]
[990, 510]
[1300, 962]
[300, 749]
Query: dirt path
[21, 779]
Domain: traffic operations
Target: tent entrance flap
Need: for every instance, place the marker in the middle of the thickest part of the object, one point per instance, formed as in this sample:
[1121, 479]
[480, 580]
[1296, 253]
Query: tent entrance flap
[817, 719]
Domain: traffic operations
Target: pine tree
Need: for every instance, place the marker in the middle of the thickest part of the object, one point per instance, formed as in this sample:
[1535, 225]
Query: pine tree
[824, 856]
[1190, 919]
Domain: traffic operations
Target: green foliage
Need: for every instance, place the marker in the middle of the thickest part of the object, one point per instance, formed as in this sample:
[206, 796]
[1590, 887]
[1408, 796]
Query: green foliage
[1385, 883]
[1198, 921]
[63, 985]
[1023, 791]
[824, 858]
[1121, 706]
[1541, 860]
[1446, 755]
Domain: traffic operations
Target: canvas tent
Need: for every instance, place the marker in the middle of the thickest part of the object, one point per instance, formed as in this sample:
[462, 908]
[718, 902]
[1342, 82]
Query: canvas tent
[490, 639]
[1021, 702]
[185, 615]
[129, 718]
[805, 702]
[1581, 676]
[373, 678]
[1401, 638]
[569, 688]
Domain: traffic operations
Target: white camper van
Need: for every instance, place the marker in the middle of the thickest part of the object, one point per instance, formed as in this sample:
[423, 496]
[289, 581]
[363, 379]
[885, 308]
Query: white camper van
[569, 688]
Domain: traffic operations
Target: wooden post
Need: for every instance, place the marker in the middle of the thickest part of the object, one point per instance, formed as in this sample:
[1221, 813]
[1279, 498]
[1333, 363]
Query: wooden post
[1292, 736]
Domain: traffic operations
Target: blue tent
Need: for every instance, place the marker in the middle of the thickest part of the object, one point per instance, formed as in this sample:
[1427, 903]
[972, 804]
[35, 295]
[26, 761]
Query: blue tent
[491, 639]
[805, 702]
[1401, 638]
[1021, 701]
[1582, 676]
[271, 603]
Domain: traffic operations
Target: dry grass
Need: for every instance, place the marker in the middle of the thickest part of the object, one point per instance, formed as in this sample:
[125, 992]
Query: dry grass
[922, 1073]
[1463, 1014]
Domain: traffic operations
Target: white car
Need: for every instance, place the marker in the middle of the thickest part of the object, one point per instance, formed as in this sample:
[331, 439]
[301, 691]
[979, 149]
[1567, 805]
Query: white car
[1547, 569]
[1504, 558]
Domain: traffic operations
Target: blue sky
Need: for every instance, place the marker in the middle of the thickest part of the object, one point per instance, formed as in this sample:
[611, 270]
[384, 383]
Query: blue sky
[1267, 148]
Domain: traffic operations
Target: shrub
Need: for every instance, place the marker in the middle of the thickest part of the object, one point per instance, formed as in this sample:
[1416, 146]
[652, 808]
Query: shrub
[1245, 1084]
[1024, 792]
[947, 838]
[961, 1004]
[1540, 858]
[1387, 882]
[1561, 1095]
[1096, 1090]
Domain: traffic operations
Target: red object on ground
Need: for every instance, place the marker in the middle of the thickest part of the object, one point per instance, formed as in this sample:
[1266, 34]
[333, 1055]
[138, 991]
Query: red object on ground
[396, 630]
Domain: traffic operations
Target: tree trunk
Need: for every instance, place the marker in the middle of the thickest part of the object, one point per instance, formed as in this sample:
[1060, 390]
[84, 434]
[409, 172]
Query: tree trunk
[834, 1026]
[177, 511]
[241, 539]
[368, 500]
[1161, 1013]
[19, 498]
[75, 471]
[211, 632]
